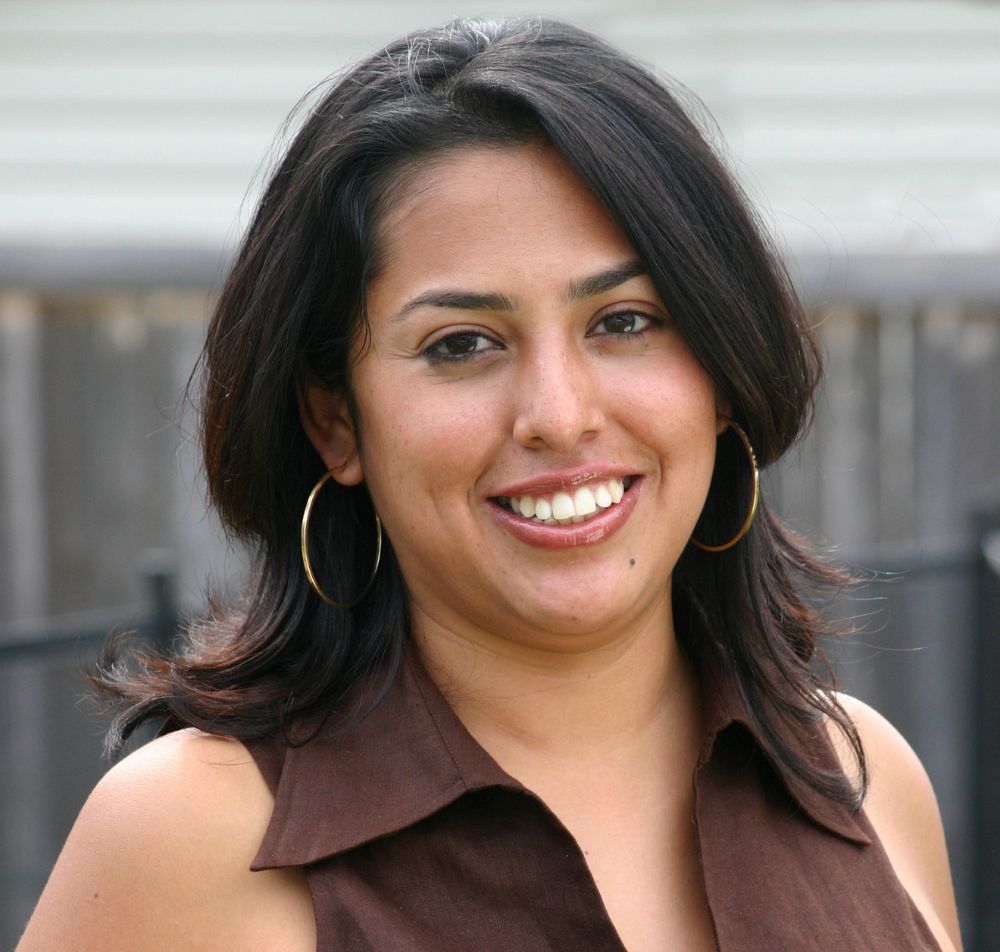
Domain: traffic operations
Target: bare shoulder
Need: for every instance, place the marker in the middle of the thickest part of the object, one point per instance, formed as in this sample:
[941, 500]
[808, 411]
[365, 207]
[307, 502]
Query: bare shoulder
[902, 807]
[159, 859]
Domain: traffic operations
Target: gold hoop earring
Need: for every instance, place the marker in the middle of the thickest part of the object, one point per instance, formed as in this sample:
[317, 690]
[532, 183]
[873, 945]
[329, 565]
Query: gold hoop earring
[307, 564]
[745, 528]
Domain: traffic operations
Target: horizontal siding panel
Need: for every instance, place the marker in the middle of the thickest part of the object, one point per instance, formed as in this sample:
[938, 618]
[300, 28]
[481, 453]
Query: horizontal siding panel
[142, 84]
[235, 19]
[180, 146]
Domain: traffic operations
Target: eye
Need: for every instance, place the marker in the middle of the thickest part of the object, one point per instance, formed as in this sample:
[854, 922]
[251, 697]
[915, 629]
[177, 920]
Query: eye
[625, 324]
[459, 346]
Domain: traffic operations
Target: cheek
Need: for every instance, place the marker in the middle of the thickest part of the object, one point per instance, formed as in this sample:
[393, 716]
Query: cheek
[674, 415]
[677, 400]
[420, 437]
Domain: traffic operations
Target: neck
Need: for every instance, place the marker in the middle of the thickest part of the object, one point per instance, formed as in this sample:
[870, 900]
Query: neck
[624, 697]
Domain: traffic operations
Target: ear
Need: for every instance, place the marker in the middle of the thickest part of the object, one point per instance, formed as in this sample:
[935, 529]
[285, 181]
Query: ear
[330, 429]
[723, 414]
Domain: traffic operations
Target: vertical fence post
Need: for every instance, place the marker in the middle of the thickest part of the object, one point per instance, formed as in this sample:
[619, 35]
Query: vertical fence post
[161, 585]
[986, 739]
[23, 518]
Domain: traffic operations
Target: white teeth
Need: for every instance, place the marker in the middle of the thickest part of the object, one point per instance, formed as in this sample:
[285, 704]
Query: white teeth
[562, 506]
[602, 497]
[583, 502]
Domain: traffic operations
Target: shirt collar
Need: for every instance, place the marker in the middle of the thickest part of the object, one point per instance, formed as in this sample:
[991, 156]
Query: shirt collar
[411, 757]
[724, 711]
[404, 761]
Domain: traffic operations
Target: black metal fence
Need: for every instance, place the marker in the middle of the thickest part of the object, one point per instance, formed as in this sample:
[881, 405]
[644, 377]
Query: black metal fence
[155, 619]
[985, 778]
[51, 748]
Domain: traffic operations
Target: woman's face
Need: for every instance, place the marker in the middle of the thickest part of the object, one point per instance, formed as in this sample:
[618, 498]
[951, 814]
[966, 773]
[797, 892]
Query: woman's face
[537, 436]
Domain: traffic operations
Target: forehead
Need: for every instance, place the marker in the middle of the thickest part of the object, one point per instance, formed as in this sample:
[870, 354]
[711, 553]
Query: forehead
[513, 213]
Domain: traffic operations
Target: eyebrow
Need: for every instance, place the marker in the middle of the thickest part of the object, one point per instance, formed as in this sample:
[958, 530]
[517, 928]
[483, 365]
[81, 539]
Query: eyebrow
[577, 290]
[462, 300]
[604, 281]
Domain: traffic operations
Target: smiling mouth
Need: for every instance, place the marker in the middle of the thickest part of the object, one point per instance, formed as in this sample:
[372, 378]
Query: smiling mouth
[568, 508]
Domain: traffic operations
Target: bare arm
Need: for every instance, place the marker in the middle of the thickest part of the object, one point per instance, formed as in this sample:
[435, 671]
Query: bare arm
[159, 860]
[903, 809]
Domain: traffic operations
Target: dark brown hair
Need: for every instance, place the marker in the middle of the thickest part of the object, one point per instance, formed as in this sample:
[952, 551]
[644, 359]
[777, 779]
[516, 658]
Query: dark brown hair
[295, 299]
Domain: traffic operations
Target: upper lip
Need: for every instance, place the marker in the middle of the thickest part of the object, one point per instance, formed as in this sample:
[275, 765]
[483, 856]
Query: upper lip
[562, 480]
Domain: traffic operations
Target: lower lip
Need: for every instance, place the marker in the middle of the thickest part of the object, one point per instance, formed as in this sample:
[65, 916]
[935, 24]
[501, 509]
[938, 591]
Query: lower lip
[591, 532]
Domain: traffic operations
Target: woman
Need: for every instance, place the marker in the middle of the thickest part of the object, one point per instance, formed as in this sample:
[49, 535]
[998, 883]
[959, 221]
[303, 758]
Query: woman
[487, 388]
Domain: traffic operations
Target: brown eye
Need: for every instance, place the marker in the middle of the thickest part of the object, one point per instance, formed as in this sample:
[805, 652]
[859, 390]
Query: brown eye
[625, 324]
[460, 346]
[619, 323]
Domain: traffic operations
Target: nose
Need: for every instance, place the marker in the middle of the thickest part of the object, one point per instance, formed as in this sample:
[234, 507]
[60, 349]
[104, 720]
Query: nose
[558, 401]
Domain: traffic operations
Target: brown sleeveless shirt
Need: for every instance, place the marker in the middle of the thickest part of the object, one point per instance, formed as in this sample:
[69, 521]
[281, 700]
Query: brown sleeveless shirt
[414, 839]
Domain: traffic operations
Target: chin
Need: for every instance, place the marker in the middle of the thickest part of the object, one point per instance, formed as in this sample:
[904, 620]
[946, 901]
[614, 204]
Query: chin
[578, 623]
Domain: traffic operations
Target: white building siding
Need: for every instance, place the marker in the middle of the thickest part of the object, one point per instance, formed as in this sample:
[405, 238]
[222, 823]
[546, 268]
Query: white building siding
[860, 128]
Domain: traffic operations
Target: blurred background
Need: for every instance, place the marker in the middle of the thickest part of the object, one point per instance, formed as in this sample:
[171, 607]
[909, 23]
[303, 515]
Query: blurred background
[133, 140]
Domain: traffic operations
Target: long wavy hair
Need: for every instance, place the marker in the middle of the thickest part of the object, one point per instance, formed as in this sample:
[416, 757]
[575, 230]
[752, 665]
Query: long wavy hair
[295, 300]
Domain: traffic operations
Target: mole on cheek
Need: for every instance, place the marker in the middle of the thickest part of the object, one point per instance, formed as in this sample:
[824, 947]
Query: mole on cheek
[631, 561]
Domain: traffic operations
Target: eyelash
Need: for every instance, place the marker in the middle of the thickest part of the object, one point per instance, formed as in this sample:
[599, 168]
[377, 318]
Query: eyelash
[436, 354]
[652, 322]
